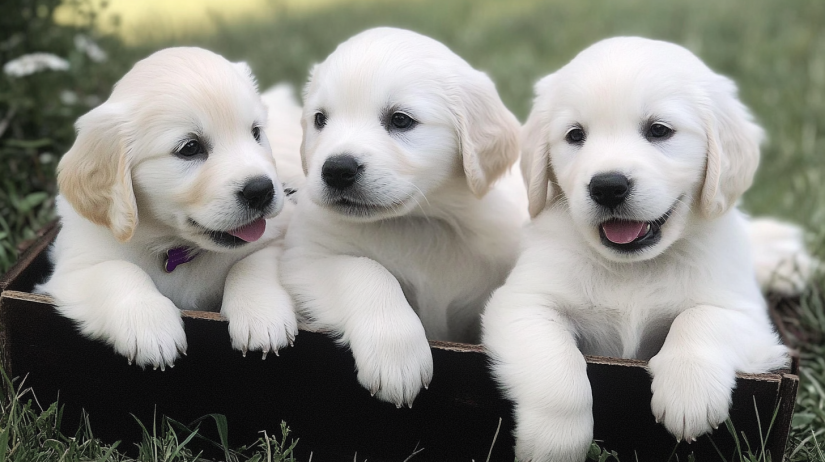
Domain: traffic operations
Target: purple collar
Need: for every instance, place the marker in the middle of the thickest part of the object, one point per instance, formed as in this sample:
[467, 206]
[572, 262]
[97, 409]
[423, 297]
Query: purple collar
[178, 256]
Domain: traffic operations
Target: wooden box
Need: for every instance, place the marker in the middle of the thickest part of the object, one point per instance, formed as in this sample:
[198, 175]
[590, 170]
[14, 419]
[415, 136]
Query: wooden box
[313, 387]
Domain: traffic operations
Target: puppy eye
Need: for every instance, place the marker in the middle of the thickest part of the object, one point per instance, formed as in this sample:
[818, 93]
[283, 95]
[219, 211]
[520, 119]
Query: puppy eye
[320, 120]
[191, 148]
[575, 136]
[256, 132]
[402, 121]
[659, 132]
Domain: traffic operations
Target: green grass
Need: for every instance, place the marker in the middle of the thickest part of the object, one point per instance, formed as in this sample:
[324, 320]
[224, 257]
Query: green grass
[29, 433]
[774, 50]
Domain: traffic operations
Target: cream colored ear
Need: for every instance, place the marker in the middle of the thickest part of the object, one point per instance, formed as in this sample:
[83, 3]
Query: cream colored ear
[733, 150]
[487, 130]
[95, 175]
[539, 178]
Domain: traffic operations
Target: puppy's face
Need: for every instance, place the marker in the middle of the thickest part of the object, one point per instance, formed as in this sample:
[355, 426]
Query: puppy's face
[185, 128]
[627, 126]
[385, 125]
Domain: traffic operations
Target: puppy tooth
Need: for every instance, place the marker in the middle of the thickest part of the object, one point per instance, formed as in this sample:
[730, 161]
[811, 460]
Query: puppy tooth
[243, 352]
[162, 368]
[276, 352]
[171, 365]
[263, 356]
[409, 404]
[398, 405]
[129, 360]
[156, 367]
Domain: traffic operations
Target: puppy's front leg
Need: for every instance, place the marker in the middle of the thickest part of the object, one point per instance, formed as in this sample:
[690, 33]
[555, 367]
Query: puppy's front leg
[695, 371]
[537, 362]
[117, 302]
[358, 299]
[259, 309]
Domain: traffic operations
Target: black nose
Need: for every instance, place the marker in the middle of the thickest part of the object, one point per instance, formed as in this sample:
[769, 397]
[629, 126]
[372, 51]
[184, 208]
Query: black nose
[340, 172]
[609, 189]
[257, 193]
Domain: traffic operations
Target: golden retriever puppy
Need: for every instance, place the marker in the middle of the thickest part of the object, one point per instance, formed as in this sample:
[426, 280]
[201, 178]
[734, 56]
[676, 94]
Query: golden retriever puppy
[403, 228]
[634, 156]
[169, 200]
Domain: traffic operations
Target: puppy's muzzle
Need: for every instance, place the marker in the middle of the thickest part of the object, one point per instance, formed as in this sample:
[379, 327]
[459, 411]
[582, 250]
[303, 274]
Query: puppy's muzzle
[341, 171]
[257, 194]
[609, 189]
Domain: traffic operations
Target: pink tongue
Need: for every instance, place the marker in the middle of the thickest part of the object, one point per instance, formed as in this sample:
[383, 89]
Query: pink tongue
[251, 232]
[623, 232]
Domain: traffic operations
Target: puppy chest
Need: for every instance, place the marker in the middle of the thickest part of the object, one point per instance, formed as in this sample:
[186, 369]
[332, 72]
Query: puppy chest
[629, 331]
[193, 285]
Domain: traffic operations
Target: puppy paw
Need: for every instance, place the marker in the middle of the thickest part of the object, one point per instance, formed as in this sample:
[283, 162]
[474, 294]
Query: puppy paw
[394, 359]
[690, 396]
[148, 332]
[264, 321]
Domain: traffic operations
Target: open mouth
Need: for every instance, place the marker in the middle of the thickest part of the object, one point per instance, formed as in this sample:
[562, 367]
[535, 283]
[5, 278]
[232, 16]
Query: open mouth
[249, 232]
[353, 208]
[633, 236]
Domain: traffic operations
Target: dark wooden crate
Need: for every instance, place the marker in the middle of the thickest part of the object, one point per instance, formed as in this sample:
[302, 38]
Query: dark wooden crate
[312, 387]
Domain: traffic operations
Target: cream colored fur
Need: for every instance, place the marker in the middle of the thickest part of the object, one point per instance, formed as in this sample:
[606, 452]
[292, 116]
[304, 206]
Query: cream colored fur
[127, 198]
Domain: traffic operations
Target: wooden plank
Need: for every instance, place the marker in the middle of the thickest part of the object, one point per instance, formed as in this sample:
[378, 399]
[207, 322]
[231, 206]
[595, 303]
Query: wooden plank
[313, 387]
[786, 402]
[33, 264]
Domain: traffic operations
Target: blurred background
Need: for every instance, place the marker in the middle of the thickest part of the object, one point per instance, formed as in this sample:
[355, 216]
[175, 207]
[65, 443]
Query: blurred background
[774, 50]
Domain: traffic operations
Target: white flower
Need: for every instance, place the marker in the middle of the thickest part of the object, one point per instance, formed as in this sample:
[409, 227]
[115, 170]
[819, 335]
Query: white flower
[68, 97]
[87, 45]
[33, 63]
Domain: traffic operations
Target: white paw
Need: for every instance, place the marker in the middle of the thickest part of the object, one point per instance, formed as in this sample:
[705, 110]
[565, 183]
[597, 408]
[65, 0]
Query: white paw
[393, 358]
[147, 331]
[691, 396]
[263, 321]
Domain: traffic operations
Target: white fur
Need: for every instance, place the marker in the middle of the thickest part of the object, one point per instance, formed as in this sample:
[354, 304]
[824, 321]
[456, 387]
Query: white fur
[689, 303]
[439, 233]
[783, 264]
[127, 198]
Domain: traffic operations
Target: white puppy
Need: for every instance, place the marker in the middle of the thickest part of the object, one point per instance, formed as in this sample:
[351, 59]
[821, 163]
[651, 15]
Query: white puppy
[400, 233]
[167, 202]
[634, 155]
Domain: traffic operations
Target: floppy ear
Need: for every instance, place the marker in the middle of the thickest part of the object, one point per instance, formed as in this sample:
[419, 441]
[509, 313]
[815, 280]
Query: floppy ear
[539, 178]
[246, 72]
[487, 132]
[307, 88]
[95, 175]
[733, 149]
